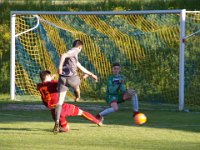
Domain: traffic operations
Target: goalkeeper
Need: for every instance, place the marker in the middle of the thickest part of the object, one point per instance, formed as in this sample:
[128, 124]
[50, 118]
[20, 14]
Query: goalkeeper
[49, 94]
[116, 93]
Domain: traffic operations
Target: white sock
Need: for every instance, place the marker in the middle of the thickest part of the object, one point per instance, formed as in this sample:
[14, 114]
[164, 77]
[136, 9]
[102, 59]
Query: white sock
[134, 101]
[59, 105]
[107, 111]
[58, 112]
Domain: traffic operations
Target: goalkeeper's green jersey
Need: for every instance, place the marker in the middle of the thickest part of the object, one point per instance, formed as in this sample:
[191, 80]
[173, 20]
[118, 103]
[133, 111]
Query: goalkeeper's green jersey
[115, 89]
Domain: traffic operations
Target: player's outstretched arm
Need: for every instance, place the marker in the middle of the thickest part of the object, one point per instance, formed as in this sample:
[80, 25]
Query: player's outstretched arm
[84, 70]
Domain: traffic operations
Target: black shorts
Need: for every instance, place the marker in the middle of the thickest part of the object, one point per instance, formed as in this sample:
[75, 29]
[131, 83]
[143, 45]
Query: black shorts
[65, 82]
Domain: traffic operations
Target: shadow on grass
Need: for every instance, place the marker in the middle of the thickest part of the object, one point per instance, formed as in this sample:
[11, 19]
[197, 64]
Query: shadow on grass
[168, 117]
[21, 129]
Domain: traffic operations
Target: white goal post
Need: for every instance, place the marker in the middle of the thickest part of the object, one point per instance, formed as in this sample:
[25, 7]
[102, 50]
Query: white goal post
[182, 14]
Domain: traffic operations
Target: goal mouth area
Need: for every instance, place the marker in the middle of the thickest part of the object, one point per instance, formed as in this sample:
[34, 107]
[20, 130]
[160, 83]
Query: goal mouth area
[148, 43]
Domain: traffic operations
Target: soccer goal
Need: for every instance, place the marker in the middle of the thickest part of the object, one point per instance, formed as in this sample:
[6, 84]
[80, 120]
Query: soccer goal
[150, 46]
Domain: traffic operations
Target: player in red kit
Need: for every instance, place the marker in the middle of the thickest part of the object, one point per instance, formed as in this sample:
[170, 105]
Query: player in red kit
[49, 95]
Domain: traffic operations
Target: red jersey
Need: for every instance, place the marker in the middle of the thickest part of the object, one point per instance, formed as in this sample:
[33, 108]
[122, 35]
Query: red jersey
[49, 93]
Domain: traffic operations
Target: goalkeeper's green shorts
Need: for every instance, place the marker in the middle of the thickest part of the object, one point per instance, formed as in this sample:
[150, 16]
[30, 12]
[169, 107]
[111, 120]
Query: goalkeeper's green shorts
[118, 98]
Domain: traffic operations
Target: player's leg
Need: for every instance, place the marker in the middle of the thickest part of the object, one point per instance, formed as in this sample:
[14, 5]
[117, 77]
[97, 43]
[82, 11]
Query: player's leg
[113, 108]
[64, 128]
[72, 110]
[74, 82]
[63, 124]
[62, 89]
[89, 117]
[135, 107]
[59, 104]
[58, 111]
[77, 94]
[131, 95]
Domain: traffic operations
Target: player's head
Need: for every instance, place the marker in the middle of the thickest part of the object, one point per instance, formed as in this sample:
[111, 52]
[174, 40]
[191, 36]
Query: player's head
[116, 68]
[45, 75]
[78, 44]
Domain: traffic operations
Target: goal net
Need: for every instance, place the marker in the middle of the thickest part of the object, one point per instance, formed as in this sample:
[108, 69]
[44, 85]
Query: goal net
[192, 55]
[146, 43]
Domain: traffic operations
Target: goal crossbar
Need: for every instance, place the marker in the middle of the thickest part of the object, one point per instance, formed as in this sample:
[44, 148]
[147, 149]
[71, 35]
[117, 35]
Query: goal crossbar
[95, 12]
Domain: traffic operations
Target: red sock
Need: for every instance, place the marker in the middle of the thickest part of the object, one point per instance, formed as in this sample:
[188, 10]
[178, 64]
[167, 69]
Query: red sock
[90, 117]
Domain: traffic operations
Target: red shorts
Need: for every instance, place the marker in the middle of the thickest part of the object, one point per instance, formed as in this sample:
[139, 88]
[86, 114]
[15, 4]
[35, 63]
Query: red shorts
[67, 110]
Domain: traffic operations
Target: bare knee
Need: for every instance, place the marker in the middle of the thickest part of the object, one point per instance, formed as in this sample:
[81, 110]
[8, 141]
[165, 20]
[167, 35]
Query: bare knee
[116, 109]
[80, 112]
[115, 106]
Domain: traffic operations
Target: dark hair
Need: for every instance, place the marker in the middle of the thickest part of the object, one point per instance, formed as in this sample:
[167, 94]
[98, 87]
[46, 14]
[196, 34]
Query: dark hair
[77, 43]
[43, 74]
[116, 64]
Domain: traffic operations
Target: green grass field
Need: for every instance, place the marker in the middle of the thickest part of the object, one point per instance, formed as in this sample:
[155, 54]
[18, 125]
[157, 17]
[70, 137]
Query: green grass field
[23, 128]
